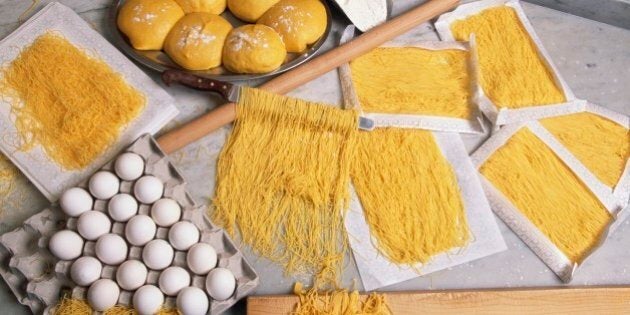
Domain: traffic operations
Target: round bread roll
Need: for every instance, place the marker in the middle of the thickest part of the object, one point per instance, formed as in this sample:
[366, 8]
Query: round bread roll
[210, 6]
[196, 41]
[250, 10]
[299, 22]
[253, 48]
[147, 22]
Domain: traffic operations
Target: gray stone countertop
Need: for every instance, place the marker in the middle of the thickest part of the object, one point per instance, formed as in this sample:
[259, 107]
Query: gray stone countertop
[594, 59]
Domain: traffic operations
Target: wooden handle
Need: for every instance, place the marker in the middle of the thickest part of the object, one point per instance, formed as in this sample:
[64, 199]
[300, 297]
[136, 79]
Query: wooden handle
[211, 121]
[574, 301]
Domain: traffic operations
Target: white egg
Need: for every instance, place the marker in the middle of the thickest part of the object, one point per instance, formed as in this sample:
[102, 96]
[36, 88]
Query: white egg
[192, 301]
[75, 201]
[104, 185]
[165, 212]
[157, 254]
[103, 294]
[129, 166]
[148, 189]
[131, 275]
[111, 249]
[92, 224]
[183, 235]
[173, 279]
[148, 300]
[220, 284]
[140, 230]
[85, 270]
[122, 207]
[201, 258]
[66, 245]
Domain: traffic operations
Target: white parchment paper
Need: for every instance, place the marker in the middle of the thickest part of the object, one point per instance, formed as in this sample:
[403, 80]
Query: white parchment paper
[47, 175]
[376, 271]
[527, 231]
[502, 116]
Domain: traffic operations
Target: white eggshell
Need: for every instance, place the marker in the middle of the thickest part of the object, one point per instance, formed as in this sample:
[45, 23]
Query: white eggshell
[148, 189]
[66, 245]
[104, 185]
[111, 249]
[192, 301]
[165, 212]
[183, 235]
[148, 300]
[85, 270]
[157, 254]
[131, 275]
[129, 166]
[103, 294]
[75, 201]
[140, 230]
[122, 207]
[173, 279]
[201, 258]
[92, 224]
[220, 284]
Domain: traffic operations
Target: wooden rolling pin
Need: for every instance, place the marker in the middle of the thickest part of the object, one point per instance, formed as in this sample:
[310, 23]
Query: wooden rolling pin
[284, 83]
[574, 301]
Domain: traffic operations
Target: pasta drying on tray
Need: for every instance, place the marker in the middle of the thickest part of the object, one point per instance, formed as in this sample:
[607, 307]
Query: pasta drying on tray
[513, 74]
[410, 195]
[517, 80]
[413, 80]
[546, 195]
[46, 86]
[601, 144]
[420, 85]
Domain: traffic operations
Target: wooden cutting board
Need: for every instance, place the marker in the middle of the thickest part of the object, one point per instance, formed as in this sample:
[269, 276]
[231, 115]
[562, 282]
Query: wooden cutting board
[573, 301]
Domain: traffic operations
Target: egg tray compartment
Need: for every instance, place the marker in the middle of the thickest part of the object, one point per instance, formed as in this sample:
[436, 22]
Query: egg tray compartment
[40, 285]
[27, 266]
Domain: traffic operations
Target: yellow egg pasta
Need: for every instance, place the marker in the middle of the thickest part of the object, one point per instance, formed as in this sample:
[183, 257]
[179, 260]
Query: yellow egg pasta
[72, 104]
[410, 195]
[602, 145]
[282, 181]
[337, 302]
[529, 174]
[512, 72]
[411, 80]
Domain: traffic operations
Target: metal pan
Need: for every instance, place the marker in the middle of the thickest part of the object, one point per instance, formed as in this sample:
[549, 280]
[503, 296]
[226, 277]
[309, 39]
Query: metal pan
[159, 61]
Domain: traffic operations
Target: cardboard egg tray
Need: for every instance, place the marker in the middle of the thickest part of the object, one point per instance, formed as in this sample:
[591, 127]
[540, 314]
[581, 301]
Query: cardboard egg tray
[39, 280]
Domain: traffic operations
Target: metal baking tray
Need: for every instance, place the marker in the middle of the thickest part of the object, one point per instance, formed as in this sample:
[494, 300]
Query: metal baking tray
[159, 61]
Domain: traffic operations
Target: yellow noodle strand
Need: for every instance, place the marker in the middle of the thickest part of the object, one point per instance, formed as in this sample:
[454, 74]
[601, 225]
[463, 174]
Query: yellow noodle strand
[338, 302]
[548, 193]
[282, 181]
[409, 195]
[602, 145]
[8, 174]
[71, 306]
[411, 80]
[71, 104]
[512, 73]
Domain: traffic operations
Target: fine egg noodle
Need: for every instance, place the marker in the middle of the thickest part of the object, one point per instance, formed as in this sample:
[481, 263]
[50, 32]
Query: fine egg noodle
[282, 182]
[517, 79]
[45, 172]
[599, 139]
[419, 85]
[417, 206]
[545, 194]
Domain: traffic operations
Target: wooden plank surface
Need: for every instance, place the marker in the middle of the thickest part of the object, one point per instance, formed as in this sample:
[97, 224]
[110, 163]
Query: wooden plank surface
[573, 301]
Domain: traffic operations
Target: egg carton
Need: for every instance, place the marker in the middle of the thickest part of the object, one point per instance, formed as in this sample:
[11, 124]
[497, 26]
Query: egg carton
[38, 279]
